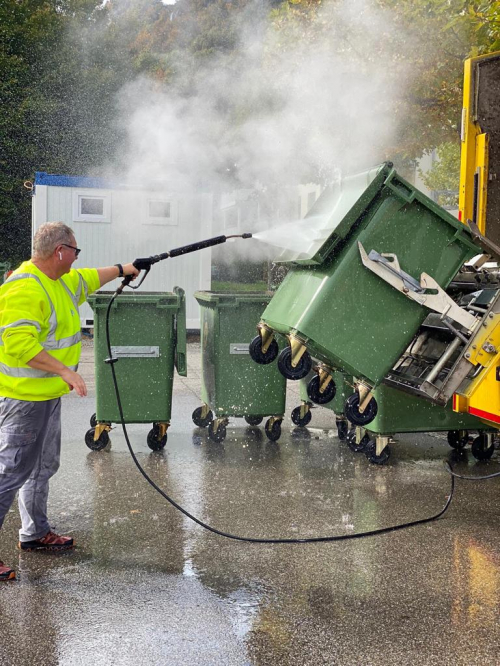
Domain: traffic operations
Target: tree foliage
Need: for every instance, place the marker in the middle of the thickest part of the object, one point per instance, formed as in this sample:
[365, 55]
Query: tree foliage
[444, 176]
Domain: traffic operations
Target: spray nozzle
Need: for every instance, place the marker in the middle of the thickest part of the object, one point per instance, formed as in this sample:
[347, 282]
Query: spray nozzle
[246, 235]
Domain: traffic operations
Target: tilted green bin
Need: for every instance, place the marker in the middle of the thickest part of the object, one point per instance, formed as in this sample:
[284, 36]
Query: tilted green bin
[148, 337]
[232, 384]
[398, 412]
[337, 309]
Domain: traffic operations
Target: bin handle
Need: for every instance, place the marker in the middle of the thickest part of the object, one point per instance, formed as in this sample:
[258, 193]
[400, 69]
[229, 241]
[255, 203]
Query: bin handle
[180, 334]
[399, 189]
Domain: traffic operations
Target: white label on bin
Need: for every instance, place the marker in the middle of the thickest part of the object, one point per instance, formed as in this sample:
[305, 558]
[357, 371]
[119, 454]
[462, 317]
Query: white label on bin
[239, 348]
[135, 352]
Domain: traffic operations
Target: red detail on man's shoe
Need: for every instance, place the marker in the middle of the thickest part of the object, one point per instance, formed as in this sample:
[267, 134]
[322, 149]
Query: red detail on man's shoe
[6, 573]
[50, 541]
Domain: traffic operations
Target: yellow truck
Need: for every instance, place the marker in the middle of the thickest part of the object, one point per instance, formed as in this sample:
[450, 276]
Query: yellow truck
[479, 208]
[455, 356]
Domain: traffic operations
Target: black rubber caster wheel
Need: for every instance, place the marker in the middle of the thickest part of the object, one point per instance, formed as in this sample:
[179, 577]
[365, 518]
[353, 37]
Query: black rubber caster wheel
[316, 396]
[458, 439]
[93, 421]
[480, 449]
[198, 420]
[373, 457]
[98, 444]
[356, 447]
[254, 420]
[286, 368]
[301, 422]
[217, 435]
[352, 413]
[154, 443]
[273, 431]
[258, 355]
[342, 430]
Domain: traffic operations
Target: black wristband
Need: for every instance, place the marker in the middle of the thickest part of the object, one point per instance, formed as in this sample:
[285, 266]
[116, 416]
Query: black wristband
[120, 268]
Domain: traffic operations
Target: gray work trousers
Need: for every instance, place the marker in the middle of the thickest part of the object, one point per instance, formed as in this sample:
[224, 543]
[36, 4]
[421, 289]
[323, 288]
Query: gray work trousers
[30, 448]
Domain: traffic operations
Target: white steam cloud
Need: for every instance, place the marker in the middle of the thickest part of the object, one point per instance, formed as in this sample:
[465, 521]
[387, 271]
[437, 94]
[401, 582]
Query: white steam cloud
[270, 113]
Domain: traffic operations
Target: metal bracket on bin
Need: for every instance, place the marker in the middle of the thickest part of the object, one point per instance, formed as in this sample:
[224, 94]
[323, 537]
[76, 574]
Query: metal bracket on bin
[305, 407]
[325, 376]
[135, 351]
[162, 428]
[365, 395]
[386, 266]
[239, 348]
[99, 429]
[381, 442]
[266, 335]
[298, 348]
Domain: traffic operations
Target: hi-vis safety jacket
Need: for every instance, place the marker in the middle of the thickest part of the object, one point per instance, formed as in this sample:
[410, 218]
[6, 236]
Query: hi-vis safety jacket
[38, 313]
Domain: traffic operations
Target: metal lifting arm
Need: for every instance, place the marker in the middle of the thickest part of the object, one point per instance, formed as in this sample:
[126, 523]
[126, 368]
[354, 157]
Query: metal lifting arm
[427, 292]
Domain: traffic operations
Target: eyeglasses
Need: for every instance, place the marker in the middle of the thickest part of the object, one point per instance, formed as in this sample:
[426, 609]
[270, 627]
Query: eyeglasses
[76, 249]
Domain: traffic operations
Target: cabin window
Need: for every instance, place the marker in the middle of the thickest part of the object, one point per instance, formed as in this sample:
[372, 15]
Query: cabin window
[160, 211]
[91, 207]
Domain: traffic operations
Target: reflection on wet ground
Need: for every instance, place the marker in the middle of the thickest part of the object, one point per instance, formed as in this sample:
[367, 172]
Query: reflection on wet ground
[148, 586]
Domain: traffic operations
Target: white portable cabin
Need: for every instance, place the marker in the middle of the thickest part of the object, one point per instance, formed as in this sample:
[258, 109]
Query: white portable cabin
[115, 224]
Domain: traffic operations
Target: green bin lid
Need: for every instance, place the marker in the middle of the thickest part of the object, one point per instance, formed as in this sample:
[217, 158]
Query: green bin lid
[101, 298]
[228, 299]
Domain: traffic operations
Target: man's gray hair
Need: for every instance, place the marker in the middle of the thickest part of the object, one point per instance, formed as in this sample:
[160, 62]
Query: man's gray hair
[49, 236]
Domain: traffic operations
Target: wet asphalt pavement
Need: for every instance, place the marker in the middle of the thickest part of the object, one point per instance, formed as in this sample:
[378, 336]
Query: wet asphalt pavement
[147, 586]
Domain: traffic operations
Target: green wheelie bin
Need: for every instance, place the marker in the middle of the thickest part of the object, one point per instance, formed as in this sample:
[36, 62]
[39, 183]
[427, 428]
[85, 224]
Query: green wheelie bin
[332, 307]
[232, 384]
[148, 338]
[400, 412]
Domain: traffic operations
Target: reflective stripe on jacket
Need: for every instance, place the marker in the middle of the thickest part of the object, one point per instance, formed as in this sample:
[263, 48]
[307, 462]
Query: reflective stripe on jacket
[37, 313]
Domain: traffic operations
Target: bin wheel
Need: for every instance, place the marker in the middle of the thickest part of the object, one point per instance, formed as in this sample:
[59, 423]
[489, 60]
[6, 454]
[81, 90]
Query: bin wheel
[301, 422]
[154, 443]
[93, 421]
[273, 430]
[98, 444]
[357, 447]
[315, 394]
[458, 439]
[253, 420]
[198, 420]
[352, 413]
[219, 434]
[373, 457]
[286, 368]
[480, 448]
[258, 355]
[342, 430]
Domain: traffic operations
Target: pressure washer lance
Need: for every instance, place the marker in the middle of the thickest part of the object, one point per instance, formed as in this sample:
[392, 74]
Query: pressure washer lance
[145, 263]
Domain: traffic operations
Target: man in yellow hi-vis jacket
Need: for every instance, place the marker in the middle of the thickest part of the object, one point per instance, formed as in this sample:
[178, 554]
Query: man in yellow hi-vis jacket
[39, 353]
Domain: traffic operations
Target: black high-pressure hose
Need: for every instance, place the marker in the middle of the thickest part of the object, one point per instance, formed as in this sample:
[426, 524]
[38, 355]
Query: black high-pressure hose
[145, 264]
